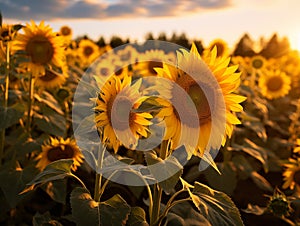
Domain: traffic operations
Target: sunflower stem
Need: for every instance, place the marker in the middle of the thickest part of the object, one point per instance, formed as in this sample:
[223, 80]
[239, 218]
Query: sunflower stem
[5, 101]
[157, 190]
[30, 104]
[98, 181]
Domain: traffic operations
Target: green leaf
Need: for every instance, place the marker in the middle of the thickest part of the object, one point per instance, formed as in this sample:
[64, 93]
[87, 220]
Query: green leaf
[243, 165]
[44, 220]
[166, 172]
[17, 27]
[50, 122]
[215, 206]
[54, 171]
[137, 217]
[86, 211]
[149, 105]
[14, 181]
[261, 182]
[11, 115]
[48, 99]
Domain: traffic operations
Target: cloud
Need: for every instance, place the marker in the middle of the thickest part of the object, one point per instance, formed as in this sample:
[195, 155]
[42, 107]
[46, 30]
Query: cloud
[103, 9]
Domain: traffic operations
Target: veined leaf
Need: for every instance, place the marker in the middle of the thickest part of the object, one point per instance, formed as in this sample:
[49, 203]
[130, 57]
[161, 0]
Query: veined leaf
[86, 211]
[137, 217]
[54, 171]
[215, 206]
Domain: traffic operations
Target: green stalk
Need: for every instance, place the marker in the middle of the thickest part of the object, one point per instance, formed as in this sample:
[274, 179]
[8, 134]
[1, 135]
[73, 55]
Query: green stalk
[157, 190]
[98, 181]
[30, 104]
[5, 101]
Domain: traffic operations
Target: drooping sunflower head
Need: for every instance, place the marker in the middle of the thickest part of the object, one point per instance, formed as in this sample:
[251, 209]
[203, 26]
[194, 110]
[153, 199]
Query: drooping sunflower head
[291, 174]
[57, 149]
[115, 114]
[51, 79]
[209, 84]
[274, 84]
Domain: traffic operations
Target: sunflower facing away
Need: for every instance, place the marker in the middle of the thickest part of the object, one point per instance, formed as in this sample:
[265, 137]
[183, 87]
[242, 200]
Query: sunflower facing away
[57, 149]
[43, 47]
[274, 84]
[291, 175]
[228, 81]
[51, 79]
[114, 112]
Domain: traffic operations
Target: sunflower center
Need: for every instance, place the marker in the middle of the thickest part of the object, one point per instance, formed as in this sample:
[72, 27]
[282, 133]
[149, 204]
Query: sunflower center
[57, 153]
[88, 50]
[104, 71]
[119, 71]
[201, 103]
[121, 116]
[152, 65]
[257, 63]
[65, 31]
[275, 83]
[196, 99]
[297, 177]
[40, 49]
[49, 76]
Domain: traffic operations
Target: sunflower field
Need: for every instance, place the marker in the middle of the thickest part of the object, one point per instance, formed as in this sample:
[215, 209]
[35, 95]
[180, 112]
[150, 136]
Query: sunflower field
[167, 132]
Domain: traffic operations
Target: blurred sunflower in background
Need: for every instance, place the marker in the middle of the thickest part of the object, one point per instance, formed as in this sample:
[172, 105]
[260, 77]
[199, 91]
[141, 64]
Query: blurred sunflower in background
[291, 174]
[56, 149]
[66, 33]
[227, 81]
[51, 79]
[43, 47]
[115, 114]
[257, 62]
[274, 84]
[87, 51]
[151, 59]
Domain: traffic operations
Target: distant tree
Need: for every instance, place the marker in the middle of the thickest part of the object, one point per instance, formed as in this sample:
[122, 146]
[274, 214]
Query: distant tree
[275, 48]
[101, 42]
[162, 36]
[244, 47]
[116, 41]
[149, 36]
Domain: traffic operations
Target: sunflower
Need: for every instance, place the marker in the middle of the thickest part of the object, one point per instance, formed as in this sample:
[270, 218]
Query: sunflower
[88, 51]
[221, 45]
[228, 81]
[51, 79]
[128, 55]
[291, 175]
[274, 84]
[151, 59]
[66, 32]
[258, 63]
[56, 149]
[115, 112]
[43, 47]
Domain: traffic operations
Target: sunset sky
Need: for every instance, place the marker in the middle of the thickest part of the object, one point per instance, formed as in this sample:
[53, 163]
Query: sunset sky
[202, 19]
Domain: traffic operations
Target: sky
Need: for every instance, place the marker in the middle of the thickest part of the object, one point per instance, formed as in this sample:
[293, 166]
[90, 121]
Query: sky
[203, 20]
